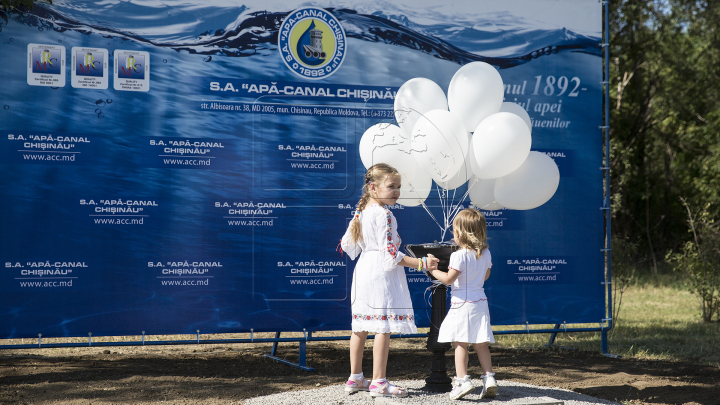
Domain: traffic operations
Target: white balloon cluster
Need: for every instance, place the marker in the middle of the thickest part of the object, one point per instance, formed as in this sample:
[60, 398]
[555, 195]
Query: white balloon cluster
[432, 142]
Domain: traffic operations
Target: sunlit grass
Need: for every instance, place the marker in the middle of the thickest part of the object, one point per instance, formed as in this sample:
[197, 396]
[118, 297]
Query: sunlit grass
[659, 319]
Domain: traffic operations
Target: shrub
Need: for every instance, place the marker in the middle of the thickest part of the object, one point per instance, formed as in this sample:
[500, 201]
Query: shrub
[699, 261]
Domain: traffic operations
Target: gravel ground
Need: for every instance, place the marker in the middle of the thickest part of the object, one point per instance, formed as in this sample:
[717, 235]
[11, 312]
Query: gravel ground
[509, 392]
[222, 374]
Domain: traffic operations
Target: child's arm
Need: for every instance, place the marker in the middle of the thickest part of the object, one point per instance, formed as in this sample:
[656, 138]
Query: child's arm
[487, 275]
[408, 261]
[446, 278]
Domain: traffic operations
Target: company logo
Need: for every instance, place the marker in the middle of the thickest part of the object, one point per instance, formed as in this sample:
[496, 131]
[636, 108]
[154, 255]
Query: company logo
[89, 64]
[312, 43]
[45, 61]
[131, 66]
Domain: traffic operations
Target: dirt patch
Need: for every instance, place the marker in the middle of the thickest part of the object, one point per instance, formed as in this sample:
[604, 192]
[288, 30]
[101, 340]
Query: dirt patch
[229, 374]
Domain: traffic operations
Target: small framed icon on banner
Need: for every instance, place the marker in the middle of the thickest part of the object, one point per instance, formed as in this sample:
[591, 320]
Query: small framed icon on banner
[132, 70]
[46, 65]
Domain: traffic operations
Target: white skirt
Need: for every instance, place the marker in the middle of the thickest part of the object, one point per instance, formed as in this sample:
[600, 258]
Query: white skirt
[381, 301]
[467, 322]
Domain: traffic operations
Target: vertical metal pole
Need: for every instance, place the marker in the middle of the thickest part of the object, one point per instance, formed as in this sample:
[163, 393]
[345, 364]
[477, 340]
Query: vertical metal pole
[301, 360]
[603, 341]
[608, 213]
[273, 351]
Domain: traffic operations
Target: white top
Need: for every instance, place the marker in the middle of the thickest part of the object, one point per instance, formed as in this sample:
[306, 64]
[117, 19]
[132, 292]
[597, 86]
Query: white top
[468, 287]
[379, 231]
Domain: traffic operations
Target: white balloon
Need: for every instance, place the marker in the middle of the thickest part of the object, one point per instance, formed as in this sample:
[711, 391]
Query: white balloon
[482, 194]
[439, 144]
[471, 157]
[465, 172]
[416, 97]
[387, 143]
[414, 192]
[476, 91]
[519, 111]
[501, 143]
[531, 185]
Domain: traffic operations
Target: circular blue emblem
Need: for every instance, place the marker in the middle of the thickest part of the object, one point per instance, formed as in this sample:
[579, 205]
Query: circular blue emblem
[312, 43]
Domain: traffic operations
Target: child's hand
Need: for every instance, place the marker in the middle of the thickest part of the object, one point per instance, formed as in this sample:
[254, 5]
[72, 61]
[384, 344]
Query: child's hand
[432, 262]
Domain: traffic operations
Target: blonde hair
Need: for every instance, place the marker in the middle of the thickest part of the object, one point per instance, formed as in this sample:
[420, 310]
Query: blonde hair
[375, 174]
[471, 230]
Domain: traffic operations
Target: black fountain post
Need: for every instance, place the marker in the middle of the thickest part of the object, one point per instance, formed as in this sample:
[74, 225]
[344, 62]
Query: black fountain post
[438, 381]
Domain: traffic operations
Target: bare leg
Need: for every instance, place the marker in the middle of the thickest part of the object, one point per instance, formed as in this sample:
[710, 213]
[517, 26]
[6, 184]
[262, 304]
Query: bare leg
[381, 348]
[357, 345]
[461, 359]
[483, 353]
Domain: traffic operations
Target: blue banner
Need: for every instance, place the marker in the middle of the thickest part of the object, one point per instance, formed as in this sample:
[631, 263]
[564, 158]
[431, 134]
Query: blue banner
[193, 167]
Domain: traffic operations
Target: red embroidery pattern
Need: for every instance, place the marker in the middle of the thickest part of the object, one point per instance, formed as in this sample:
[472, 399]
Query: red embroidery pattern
[391, 317]
[392, 248]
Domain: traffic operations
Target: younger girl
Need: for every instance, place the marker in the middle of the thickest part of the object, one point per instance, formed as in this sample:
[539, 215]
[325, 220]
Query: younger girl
[468, 320]
[380, 297]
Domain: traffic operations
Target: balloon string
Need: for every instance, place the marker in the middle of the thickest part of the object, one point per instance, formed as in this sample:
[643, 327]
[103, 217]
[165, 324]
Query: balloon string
[426, 208]
[430, 213]
[440, 196]
[487, 205]
[457, 207]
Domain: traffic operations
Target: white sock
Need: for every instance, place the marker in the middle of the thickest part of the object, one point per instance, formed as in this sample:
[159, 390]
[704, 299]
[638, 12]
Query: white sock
[490, 373]
[380, 381]
[357, 376]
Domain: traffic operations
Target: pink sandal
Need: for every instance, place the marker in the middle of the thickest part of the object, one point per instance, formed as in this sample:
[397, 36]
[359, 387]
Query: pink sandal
[387, 390]
[355, 385]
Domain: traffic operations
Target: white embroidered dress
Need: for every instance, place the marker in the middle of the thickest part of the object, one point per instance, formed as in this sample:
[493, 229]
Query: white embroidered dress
[380, 296]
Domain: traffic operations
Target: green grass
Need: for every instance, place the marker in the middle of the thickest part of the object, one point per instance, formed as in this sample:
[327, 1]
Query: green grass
[659, 319]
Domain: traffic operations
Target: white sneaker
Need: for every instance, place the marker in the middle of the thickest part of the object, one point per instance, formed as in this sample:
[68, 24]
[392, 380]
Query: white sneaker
[461, 387]
[489, 387]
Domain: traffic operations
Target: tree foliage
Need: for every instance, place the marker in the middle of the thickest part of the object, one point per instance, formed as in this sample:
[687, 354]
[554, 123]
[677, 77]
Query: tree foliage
[665, 118]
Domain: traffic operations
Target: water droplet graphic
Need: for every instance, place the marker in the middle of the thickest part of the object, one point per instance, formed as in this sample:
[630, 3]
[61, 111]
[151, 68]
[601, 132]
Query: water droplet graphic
[11, 39]
[7, 107]
[164, 60]
[98, 110]
[100, 103]
[40, 28]
[54, 88]
[101, 115]
[309, 47]
[59, 41]
[109, 101]
[535, 54]
[208, 59]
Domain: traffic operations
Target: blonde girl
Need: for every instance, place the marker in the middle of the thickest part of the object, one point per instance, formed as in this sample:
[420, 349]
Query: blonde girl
[468, 321]
[380, 296]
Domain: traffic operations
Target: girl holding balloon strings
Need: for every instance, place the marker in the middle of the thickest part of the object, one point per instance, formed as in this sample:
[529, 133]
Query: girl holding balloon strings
[468, 321]
[380, 296]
